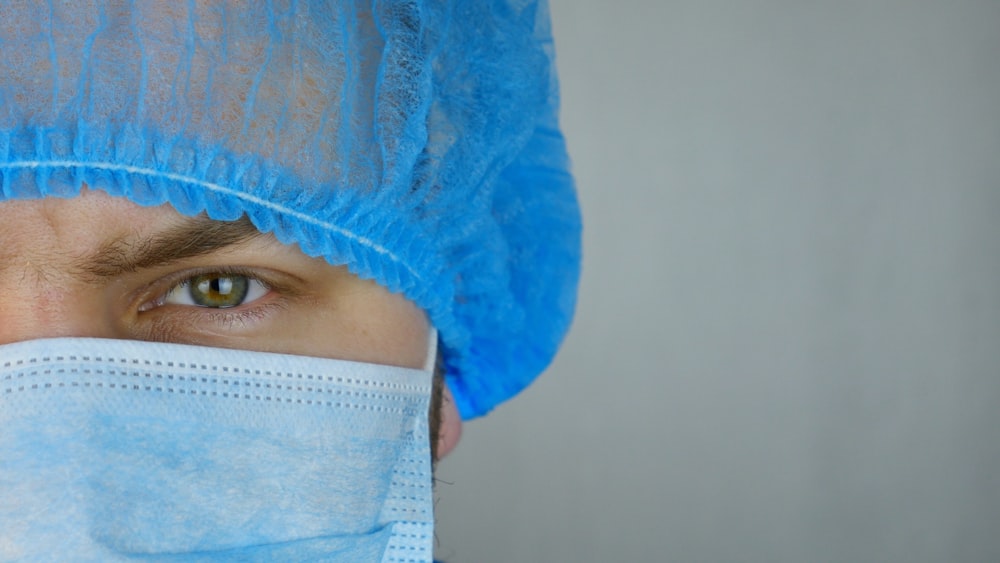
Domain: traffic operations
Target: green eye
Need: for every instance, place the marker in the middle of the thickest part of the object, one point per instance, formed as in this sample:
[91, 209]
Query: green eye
[216, 290]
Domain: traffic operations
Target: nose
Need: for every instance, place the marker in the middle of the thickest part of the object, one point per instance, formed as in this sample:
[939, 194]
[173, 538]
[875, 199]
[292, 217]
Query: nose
[47, 307]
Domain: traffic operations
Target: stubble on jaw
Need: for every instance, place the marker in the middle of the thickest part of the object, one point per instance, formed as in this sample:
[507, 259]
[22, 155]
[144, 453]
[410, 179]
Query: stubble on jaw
[437, 402]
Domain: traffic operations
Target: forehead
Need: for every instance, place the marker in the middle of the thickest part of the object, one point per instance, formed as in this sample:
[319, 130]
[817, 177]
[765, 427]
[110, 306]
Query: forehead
[79, 223]
[106, 236]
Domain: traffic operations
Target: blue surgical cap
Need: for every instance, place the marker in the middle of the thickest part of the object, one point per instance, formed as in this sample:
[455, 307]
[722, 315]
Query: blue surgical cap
[414, 141]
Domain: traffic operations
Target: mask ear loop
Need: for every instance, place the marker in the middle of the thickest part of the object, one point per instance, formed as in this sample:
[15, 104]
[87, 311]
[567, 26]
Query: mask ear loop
[432, 344]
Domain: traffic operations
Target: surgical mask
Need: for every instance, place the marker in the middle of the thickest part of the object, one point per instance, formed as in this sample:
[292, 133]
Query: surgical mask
[123, 450]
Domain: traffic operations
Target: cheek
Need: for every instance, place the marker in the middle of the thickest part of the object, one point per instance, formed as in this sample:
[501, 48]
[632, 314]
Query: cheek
[365, 324]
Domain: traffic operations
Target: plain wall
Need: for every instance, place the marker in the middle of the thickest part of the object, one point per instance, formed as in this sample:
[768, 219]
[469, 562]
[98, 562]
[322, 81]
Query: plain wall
[787, 344]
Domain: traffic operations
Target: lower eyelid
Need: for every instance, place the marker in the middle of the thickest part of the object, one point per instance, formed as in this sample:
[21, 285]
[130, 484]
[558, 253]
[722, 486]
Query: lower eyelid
[246, 313]
[206, 325]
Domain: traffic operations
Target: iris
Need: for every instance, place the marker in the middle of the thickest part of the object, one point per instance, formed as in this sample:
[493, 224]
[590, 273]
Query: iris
[213, 290]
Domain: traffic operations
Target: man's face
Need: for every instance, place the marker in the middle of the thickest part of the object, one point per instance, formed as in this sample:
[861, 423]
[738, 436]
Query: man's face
[103, 267]
[98, 266]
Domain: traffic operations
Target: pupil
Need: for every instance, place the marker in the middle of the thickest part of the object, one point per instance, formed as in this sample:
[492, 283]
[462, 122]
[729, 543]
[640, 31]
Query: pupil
[222, 285]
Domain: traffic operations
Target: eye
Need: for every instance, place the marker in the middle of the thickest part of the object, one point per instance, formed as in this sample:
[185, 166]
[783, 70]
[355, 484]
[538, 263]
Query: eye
[216, 290]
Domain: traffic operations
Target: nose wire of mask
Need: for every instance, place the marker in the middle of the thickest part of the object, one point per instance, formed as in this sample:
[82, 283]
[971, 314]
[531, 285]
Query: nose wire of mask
[121, 450]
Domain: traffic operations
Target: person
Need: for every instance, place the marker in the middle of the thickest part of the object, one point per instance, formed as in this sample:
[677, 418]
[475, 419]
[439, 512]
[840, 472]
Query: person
[259, 260]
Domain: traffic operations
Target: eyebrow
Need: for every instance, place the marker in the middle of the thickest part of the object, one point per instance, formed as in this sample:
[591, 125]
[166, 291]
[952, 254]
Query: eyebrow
[193, 236]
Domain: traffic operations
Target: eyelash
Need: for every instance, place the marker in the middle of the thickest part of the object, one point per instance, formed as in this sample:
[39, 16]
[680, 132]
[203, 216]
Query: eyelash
[235, 316]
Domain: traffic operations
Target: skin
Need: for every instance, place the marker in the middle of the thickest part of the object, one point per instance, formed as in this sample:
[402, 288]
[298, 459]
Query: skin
[98, 266]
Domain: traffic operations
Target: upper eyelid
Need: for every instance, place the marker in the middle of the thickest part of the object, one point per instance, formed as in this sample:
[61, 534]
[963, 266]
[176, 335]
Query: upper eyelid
[187, 275]
[187, 279]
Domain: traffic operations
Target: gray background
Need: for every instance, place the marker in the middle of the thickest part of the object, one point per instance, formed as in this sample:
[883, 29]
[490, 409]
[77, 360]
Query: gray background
[788, 338]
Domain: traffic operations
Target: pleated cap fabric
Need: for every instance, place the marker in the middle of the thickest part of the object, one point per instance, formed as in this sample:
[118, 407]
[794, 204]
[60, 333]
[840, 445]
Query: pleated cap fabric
[416, 142]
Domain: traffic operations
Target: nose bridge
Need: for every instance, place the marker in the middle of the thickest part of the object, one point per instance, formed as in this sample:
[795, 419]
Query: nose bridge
[38, 301]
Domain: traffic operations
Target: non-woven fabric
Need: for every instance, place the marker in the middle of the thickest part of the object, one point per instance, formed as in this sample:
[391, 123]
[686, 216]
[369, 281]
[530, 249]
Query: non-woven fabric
[414, 141]
[116, 450]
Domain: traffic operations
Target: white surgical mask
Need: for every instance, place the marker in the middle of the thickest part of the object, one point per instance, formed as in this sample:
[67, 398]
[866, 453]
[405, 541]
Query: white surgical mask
[122, 450]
